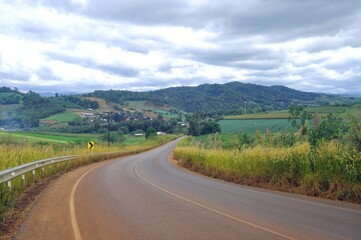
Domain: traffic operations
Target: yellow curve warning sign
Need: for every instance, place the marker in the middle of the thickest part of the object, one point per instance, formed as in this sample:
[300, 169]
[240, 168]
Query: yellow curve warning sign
[90, 145]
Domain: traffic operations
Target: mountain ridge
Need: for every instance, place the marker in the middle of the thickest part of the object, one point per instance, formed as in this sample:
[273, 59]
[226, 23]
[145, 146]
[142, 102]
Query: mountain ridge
[221, 98]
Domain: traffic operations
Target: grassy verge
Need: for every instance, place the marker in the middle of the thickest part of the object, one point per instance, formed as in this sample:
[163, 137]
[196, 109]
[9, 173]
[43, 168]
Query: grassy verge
[329, 171]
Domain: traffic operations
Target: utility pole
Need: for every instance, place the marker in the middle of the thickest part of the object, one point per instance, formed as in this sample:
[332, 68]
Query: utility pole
[108, 127]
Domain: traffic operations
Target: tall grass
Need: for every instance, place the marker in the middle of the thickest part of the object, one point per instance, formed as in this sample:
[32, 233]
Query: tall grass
[331, 170]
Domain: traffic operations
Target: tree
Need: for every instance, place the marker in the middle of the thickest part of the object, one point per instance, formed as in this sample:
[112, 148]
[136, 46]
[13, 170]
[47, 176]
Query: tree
[150, 133]
[354, 133]
[299, 113]
[331, 127]
[194, 125]
[210, 127]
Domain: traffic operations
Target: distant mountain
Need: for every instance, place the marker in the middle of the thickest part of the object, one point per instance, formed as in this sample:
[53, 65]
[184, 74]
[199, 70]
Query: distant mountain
[218, 98]
[232, 96]
[25, 110]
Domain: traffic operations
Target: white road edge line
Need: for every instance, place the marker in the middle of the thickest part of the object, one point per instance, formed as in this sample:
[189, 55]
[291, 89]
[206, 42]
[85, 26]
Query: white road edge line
[74, 221]
[211, 209]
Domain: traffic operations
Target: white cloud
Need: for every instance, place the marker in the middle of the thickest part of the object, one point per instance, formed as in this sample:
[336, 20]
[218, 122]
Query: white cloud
[142, 45]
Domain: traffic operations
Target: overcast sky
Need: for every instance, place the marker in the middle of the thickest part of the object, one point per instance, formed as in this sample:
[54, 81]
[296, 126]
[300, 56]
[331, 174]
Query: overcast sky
[84, 45]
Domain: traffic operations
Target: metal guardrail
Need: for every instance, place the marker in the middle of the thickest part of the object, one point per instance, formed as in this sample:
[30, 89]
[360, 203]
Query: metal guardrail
[11, 173]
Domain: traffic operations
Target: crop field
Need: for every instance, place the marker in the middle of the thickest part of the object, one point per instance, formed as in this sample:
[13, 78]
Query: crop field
[33, 137]
[252, 125]
[62, 117]
[284, 114]
[268, 115]
[276, 120]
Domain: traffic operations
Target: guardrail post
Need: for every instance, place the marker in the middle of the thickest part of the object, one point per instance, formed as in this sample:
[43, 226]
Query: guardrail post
[23, 180]
[42, 172]
[1, 192]
[33, 176]
[9, 186]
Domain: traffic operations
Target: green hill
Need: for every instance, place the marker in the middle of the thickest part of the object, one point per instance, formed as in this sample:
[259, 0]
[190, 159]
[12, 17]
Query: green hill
[229, 98]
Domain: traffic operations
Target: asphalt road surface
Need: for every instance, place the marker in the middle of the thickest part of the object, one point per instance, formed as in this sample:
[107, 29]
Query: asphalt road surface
[145, 196]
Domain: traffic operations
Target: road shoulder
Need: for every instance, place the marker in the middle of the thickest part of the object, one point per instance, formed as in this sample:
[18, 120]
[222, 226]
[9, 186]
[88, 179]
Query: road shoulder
[49, 217]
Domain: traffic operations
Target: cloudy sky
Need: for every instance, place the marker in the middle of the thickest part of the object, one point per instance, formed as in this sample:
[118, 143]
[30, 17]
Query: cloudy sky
[84, 45]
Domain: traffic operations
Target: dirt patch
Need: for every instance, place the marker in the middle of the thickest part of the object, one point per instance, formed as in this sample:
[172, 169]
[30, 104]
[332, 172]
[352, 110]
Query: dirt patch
[50, 122]
[151, 115]
[14, 217]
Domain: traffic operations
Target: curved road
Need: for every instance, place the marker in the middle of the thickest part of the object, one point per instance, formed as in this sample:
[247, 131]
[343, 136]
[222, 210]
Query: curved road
[146, 197]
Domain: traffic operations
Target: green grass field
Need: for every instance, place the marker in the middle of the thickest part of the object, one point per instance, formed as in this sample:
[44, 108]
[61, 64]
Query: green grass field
[284, 114]
[267, 115]
[33, 137]
[252, 125]
[62, 117]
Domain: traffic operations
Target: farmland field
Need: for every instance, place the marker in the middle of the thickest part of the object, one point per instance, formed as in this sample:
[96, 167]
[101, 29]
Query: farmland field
[252, 125]
[62, 117]
[268, 115]
[284, 114]
[33, 137]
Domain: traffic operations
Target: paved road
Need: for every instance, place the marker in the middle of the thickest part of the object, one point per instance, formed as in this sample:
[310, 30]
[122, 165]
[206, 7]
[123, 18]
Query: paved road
[146, 197]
